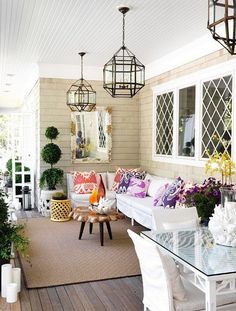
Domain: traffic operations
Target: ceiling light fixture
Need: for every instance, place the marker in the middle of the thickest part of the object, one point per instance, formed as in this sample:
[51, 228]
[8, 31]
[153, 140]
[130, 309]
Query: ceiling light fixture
[222, 23]
[81, 96]
[123, 74]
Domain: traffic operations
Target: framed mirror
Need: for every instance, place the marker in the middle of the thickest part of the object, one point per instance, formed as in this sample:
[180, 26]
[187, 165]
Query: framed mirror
[91, 132]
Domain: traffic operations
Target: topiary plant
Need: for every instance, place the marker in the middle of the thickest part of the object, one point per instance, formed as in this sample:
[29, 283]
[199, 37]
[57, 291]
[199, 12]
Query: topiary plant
[51, 154]
[59, 196]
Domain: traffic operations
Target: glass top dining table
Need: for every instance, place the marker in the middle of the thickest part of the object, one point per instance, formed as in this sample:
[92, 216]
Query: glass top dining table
[197, 249]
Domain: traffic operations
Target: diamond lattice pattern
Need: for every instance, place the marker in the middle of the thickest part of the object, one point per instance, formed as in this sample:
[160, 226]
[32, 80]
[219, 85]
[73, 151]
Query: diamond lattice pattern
[101, 133]
[164, 123]
[217, 115]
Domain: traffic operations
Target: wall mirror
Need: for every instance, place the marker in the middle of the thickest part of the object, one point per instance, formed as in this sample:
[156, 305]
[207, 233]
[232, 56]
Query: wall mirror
[91, 140]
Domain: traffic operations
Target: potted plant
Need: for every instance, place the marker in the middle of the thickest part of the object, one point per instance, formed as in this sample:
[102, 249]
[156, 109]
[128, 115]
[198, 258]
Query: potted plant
[10, 233]
[60, 207]
[51, 154]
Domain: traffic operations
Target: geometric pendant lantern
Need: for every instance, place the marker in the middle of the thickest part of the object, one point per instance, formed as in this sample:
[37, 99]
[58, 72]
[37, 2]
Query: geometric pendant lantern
[222, 23]
[123, 74]
[81, 96]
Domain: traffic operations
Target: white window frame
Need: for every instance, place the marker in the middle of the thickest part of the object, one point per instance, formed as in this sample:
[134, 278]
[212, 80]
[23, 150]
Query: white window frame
[197, 79]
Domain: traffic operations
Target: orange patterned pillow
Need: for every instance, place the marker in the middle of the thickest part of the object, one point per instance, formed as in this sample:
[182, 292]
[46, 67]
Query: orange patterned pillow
[84, 182]
[118, 174]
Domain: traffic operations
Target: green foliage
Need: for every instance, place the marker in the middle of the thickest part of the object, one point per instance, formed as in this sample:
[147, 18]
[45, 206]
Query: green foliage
[10, 233]
[51, 153]
[51, 132]
[51, 177]
[205, 205]
[59, 196]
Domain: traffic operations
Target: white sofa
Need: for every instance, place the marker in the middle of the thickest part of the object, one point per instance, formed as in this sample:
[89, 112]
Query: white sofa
[138, 209]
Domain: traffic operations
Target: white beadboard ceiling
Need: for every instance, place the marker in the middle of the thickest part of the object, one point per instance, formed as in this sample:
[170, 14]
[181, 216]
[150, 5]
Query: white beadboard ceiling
[34, 32]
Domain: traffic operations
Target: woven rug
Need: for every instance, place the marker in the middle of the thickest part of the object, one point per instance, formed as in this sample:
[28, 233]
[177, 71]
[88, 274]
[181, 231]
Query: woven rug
[57, 257]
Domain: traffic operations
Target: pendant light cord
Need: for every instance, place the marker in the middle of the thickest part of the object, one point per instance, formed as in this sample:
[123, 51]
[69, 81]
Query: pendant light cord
[123, 38]
[81, 67]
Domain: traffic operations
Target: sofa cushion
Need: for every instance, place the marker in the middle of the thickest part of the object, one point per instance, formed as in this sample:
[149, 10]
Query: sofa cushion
[137, 187]
[171, 196]
[125, 180]
[159, 193]
[144, 204]
[110, 195]
[84, 182]
[155, 183]
[118, 174]
[110, 180]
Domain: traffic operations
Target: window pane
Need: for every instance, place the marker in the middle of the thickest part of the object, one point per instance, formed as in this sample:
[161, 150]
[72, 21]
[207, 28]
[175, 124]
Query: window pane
[164, 123]
[216, 115]
[186, 121]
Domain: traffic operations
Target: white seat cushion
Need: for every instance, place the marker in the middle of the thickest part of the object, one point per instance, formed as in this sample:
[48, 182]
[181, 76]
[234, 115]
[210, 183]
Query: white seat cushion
[196, 299]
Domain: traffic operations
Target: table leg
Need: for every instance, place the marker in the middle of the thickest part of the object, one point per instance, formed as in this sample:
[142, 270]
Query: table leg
[90, 227]
[210, 295]
[109, 229]
[101, 232]
[81, 229]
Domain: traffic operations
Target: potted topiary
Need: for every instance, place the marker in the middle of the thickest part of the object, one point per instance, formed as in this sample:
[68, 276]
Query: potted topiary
[10, 234]
[60, 207]
[51, 154]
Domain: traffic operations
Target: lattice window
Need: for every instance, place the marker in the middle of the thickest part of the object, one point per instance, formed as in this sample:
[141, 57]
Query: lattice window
[217, 115]
[101, 130]
[164, 123]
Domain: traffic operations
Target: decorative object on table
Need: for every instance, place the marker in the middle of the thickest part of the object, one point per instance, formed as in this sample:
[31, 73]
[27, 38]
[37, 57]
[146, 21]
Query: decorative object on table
[10, 234]
[123, 74]
[101, 189]
[60, 207]
[93, 197]
[222, 224]
[51, 154]
[103, 207]
[81, 96]
[221, 21]
[204, 196]
[221, 163]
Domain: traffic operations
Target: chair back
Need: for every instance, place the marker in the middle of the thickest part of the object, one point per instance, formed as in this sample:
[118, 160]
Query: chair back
[157, 291]
[174, 219]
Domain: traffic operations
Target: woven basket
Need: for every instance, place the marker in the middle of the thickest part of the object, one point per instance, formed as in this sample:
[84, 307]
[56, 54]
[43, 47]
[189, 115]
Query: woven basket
[60, 209]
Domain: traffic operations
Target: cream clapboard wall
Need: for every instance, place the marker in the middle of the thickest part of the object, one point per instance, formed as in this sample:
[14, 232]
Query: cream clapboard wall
[125, 125]
[192, 173]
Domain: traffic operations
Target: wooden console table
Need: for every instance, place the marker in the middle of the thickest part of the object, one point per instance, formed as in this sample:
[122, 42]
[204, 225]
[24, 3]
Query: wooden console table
[87, 216]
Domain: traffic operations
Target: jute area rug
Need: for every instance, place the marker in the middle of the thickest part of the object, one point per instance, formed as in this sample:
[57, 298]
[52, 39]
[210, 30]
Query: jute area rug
[57, 257]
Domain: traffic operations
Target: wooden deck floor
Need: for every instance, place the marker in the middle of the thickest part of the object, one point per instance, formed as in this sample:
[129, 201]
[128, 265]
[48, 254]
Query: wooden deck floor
[124, 294]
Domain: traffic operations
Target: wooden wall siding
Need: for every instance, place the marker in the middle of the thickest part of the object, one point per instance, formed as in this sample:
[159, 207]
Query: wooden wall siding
[125, 125]
[146, 113]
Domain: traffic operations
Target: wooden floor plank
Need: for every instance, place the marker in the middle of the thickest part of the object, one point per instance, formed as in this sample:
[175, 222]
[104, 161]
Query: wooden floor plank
[55, 301]
[75, 300]
[135, 286]
[34, 300]
[45, 300]
[92, 297]
[64, 298]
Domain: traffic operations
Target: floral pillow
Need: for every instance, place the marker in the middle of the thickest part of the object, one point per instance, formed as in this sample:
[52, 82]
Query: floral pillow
[125, 180]
[84, 182]
[138, 187]
[172, 194]
[118, 174]
[159, 193]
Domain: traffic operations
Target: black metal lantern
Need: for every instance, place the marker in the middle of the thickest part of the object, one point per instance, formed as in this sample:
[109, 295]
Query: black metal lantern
[123, 74]
[222, 23]
[81, 96]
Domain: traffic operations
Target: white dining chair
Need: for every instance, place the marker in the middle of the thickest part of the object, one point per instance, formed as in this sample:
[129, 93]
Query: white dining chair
[163, 288]
[165, 219]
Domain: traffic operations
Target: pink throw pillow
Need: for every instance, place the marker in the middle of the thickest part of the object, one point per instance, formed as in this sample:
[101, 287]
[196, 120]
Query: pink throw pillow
[137, 187]
[84, 182]
[118, 174]
[160, 192]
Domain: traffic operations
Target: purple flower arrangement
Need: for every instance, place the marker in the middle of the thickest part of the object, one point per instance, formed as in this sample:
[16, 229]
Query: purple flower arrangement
[204, 196]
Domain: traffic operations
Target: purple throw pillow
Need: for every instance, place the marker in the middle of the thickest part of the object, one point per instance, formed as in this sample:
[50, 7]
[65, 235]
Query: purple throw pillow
[158, 195]
[125, 180]
[138, 187]
[172, 193]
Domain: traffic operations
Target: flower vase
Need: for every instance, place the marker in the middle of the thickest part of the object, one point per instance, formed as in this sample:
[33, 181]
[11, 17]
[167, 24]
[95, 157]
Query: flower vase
[228, 194]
